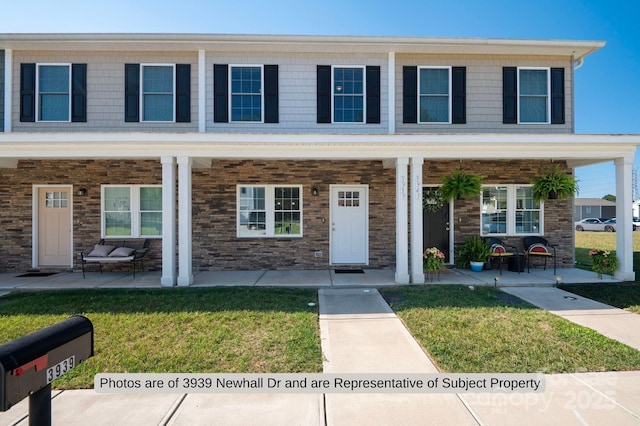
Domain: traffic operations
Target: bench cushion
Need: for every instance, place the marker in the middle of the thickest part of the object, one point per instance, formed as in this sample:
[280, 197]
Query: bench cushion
[107, 259]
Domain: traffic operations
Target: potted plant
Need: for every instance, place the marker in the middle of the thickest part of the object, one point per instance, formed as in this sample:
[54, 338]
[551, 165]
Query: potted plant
[460, 185]
[474, 252]
[603, 262]
[556, 184]
[432, 260]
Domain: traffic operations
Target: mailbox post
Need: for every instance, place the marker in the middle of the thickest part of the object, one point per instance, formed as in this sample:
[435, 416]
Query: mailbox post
[29, 364]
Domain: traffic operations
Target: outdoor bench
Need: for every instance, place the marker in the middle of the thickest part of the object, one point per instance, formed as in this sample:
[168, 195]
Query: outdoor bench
[116, 251]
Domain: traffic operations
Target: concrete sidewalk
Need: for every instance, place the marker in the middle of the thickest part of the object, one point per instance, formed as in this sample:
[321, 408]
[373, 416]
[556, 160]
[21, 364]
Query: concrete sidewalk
[360, 334]
[615, 323]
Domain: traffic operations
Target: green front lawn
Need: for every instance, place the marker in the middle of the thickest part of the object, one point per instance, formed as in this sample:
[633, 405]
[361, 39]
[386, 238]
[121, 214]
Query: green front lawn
[486, 330]
[221, 330]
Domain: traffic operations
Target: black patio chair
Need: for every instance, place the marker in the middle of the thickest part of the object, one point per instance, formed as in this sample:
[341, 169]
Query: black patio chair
[501, 251]
[539, 247]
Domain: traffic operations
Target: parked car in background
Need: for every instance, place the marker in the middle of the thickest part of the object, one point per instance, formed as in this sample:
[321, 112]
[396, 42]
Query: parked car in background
[591, 224]
[596, 224]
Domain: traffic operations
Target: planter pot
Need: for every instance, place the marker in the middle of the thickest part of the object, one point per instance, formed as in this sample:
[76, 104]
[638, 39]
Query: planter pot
[477, 266]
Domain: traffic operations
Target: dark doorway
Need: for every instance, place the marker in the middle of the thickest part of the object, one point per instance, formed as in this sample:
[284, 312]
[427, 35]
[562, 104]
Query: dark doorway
[435, 221]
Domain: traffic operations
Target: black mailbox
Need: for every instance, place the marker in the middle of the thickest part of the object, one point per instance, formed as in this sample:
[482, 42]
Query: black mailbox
[32, 362]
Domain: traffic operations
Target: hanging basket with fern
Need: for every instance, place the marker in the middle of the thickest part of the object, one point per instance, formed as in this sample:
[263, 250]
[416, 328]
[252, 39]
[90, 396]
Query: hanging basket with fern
[460, 185]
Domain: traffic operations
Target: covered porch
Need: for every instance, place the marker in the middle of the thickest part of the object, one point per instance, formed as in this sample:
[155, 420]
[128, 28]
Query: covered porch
[180, 157]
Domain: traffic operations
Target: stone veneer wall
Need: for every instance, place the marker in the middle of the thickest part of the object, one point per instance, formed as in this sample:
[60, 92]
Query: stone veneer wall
[558, 214]
[215, 245]
[16, 186]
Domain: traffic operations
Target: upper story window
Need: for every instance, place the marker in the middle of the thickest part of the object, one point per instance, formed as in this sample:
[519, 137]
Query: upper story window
[158, 89]
[510, 210]
[246, 93]
[533, 95]
[53, 92]
[157, 93]
[348, 94]
[434, 95]
[269, 211]
[533, 92]
[435, 86]
[131, 211]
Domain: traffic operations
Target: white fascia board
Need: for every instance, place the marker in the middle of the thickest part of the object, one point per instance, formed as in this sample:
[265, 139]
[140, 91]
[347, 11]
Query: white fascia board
[299, 43]
[589, 148]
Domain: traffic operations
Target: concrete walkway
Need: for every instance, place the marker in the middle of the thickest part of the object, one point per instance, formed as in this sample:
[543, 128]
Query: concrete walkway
[615, 323]
[360, 334]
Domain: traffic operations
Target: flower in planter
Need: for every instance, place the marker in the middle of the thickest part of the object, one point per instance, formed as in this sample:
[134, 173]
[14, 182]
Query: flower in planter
[603, 262]
[432, 260]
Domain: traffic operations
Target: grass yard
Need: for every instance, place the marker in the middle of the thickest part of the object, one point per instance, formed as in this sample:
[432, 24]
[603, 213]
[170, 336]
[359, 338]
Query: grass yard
[621, 295]
[585, 241]
[485, 331]
[213, 330]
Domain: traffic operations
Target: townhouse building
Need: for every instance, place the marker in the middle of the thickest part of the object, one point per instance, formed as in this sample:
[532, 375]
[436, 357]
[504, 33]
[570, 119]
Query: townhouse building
[245, 152]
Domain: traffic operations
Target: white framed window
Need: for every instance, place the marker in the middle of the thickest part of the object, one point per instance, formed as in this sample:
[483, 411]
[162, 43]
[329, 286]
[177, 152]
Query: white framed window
[131, 211]
[510, 210]
[158, 89]
[534, 102]
[246, 102]
[53, 86]
[348, 94]
[434, 95]
[269, 211]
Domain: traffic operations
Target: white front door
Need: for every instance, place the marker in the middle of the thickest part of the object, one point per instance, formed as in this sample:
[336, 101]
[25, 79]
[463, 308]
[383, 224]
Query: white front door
[349, 224]
[54, 226]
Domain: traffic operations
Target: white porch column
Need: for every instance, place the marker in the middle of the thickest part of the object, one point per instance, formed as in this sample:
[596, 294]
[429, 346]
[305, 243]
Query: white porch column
[417, 273]
[168, 221]
[624, 218]
[185, 274]
[402, 225]
[8, 89]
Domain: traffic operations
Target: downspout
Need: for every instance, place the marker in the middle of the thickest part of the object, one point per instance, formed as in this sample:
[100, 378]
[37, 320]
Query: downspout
[577, 64]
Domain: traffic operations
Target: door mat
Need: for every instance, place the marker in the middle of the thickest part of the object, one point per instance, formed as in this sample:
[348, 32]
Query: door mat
[36, 274]
[348, 271]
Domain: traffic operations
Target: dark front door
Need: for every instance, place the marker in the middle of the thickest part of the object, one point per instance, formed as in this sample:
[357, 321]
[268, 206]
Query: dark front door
[435, 221]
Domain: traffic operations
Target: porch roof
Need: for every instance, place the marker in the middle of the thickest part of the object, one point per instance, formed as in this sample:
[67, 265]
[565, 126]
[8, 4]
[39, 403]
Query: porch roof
[577, 150]
[576, 49]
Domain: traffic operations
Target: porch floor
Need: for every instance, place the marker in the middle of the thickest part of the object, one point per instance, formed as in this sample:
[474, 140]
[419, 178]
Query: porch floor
[9, 281]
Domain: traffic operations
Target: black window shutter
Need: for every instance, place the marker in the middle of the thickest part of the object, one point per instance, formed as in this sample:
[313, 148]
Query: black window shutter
[509, 95]
[557, 95]
[373, 94]
[459, 95]
[28, 92]
[324, 94]
[410, 94]
[131, 93]
[271, 94]
[183, 93]
[220, 93]
[79, 93]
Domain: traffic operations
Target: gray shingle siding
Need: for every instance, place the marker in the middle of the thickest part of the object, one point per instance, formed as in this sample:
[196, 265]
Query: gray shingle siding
[297, 91]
